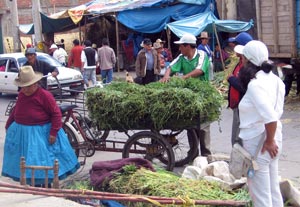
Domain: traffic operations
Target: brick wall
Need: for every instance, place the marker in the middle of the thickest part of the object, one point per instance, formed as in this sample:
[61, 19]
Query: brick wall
[25, 17]
[24, 4]
[47, 7]
[2, 4]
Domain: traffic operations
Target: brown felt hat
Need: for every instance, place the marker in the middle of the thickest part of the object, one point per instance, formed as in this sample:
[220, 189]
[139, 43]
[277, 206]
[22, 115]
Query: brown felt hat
[27, 76]
[204, 35]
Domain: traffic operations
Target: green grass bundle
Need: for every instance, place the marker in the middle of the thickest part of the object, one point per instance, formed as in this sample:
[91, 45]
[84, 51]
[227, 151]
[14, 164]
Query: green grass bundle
[166, 184]
[178, 104]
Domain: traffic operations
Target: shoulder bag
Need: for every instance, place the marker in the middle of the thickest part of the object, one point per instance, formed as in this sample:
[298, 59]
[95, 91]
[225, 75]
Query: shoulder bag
[242, 164]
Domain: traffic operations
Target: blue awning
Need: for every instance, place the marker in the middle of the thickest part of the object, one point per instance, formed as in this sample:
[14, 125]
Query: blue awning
[145, 16]
[205, 22]
[154, 20]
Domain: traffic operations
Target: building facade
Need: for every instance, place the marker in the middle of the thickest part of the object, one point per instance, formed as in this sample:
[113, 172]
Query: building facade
[23, 14]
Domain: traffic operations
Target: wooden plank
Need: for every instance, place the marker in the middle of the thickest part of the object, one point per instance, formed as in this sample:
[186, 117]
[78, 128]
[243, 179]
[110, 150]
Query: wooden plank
[284, 49]
[292, 23]
[258, 18]
[266, 3]
[275, 24]
[280, 55]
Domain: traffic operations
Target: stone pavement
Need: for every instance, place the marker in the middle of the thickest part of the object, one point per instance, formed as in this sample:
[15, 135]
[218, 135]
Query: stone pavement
[289, 164]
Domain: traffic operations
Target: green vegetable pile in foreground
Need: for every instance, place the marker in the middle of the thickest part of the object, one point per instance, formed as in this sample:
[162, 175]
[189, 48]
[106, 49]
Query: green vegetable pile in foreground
[166, 184]
[177, 104]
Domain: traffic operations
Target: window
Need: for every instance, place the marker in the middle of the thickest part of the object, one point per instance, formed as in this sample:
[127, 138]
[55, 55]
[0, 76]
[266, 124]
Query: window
[12, 67]
[2, 65]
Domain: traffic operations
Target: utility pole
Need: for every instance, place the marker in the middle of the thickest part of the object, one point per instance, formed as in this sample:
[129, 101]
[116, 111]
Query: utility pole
[15, 25]
[36, 16]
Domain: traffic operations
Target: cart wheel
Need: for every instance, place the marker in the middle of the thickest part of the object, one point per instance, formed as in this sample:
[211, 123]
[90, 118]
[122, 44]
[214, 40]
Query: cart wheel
[72, 139]
[93, 133]
[183, 151]
[88, 149]
[150, 146]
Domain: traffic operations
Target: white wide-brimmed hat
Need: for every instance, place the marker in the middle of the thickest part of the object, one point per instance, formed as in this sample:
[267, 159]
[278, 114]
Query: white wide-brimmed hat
[156, 45]
[160, 41]
[27, 76]
[204, 35]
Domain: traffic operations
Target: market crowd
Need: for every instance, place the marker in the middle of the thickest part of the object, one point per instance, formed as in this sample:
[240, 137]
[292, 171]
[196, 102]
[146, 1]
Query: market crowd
[255, 95]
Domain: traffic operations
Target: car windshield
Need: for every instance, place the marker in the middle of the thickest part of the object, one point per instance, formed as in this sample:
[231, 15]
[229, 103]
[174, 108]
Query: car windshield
[44, 57]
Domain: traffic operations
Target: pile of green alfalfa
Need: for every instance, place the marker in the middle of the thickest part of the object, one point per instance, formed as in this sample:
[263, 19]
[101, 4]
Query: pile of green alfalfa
[167, 184]
[178, 104]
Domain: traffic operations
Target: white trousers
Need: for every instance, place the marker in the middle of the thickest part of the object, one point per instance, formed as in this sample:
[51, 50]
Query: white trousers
[211, 71]
[264, 186]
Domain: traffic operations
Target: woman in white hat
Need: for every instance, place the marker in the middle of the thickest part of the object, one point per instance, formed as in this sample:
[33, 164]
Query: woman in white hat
[260, 110]
[33, 131]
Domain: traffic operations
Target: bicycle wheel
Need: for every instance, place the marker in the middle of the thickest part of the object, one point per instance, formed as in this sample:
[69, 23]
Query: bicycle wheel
[72, 139]
[88, 149]
[150, 146]
[184, 144]
[92, 131]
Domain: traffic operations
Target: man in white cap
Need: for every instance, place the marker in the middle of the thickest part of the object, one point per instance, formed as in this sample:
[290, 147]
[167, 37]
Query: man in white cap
[59, 53]
[189, 56]
[191, 63]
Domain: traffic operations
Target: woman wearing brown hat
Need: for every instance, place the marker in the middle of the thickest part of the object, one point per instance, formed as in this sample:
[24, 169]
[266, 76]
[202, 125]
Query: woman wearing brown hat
[205, 47]
[33, 131]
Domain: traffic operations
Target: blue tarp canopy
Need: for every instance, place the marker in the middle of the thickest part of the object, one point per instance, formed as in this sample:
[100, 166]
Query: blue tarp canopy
[154, 19]
[205, 22]
[145, 16]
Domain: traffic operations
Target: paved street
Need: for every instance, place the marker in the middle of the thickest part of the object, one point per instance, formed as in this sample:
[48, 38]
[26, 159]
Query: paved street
[220, 135]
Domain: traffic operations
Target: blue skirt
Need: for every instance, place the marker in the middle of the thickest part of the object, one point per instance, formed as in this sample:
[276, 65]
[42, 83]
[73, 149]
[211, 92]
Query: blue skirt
[32, 142]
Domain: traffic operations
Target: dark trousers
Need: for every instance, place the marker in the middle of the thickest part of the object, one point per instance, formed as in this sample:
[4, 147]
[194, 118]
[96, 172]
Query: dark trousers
[150, 77]
[288, 80]
[203, 139]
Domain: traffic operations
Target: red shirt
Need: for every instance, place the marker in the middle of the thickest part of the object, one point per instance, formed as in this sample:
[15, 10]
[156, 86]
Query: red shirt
[235, 95]
[75, 56]
[38, 109]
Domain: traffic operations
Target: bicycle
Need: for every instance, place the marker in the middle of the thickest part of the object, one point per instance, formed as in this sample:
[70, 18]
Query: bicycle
[69, 121]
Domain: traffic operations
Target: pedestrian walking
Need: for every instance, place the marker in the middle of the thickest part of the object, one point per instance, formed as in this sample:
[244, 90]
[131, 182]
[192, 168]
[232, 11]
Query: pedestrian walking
[107, 61]
[89, 60]
[74, 60]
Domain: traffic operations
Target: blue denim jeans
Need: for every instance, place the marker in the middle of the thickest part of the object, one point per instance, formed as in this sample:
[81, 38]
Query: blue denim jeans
[107, 75]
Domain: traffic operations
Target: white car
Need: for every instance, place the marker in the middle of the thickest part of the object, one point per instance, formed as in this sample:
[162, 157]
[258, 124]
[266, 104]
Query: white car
[11, 62]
